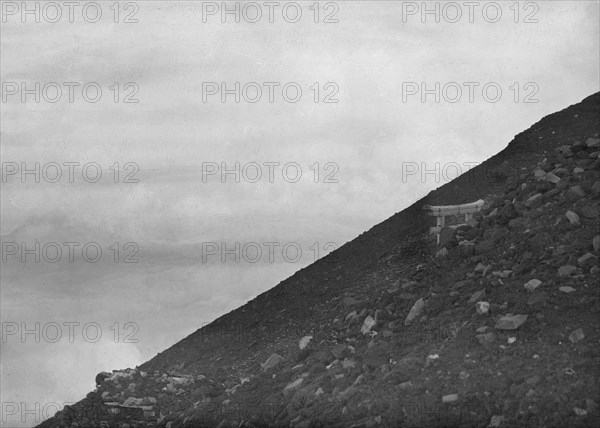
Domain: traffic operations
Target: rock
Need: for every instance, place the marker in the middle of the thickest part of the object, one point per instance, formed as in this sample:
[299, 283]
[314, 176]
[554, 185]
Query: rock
[447, 237]
[572, 217]
[351, 317]
[496, 421]
[305, 341]
[566, 270]
[368, 324]
[534, 201]
[589, 211]
[592, 143]
[576, 336]
[348, 364]
[339, 350]
[101, 377]
[580, 412]
[132, 401]
[480, 268]
[464, 282]
[576, 192]
[272, 361]
[472, 223]
[587, 260]
[415, 311]
[552, 178]
[407, 286]
[293, 385]
[564, 151]
[539, 173]
[485, 338]
[483, 246]
[350, 303]
[532, 284]
[596, 243]
[477, 295]
[393, 289]
[482, 307]
[450, 398]
[510, 322]
[566, 289]
[441, 253]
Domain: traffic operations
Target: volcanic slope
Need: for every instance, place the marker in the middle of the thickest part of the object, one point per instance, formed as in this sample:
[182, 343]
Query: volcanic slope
[502, 331]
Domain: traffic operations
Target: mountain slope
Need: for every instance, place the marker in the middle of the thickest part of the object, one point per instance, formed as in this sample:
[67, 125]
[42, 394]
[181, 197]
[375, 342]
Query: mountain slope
[450, 366]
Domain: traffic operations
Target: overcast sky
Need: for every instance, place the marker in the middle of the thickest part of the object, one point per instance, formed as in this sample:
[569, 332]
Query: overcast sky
[373, 62]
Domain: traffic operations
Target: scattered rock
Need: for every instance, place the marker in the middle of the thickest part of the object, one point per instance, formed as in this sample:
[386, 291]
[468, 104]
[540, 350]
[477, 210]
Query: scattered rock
[593, 143]
[510, 322]
[587, 260]
[272, 361]
[477, 296]
[339, 350]
[576, 192]
[485, 338]
[450, 398]
[305, 341]
[589, 211]
[566, 270]
[101, 377]
[368, 324]
[349, 303]
[576, 336]
[351, 317]
[415, 311]
[293, 385]
[532, 284]
[572, 217]
[496, 421]
[482, 307]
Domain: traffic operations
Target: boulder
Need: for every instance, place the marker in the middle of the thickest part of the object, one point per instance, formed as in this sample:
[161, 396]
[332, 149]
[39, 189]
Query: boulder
[572, 217]
[272, 361]
[592, 143]
[566, 270]
[415, 311]
[101, 377]
[510, 322]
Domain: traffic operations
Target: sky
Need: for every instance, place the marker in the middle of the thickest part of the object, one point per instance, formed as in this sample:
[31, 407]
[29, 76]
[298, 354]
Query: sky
[145, 230]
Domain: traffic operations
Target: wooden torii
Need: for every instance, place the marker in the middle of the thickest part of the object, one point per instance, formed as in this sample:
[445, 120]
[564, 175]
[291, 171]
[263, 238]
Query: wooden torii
[441, 211]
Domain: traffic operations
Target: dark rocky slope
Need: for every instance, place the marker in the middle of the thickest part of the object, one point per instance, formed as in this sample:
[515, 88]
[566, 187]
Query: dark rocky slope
[451, 365]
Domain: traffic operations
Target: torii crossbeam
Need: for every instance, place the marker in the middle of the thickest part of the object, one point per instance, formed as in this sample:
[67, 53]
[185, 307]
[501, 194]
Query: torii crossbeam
[441, 211]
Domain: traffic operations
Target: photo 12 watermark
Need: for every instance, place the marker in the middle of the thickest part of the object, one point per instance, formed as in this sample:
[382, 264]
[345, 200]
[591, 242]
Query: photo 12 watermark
[27, 413]
[54, 12]
[68, 92]
[68, 332]
[455, 12]
[252, 12]
[270, 92]
[269, 172]
[71, 252]
[469, 92]
[266, 252]
[69, 172]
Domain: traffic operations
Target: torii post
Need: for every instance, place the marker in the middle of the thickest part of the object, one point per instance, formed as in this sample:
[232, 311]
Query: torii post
[441, 211]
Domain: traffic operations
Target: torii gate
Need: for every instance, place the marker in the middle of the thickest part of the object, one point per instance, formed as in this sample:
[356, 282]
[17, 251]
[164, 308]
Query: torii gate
[441, 211]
